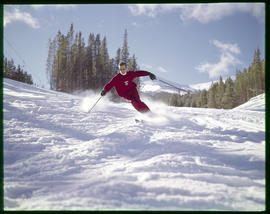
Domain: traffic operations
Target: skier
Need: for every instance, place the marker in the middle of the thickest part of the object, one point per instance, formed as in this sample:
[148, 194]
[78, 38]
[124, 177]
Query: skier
[126, 88]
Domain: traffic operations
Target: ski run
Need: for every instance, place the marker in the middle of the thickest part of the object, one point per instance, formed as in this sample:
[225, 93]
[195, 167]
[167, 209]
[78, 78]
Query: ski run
[58, 157]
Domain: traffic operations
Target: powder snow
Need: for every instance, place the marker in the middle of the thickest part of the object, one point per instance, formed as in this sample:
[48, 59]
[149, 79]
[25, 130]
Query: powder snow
[58, 157]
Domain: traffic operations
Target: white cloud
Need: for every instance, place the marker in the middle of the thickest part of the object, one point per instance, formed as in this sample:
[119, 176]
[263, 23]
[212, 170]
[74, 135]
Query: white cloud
[226, 61]
[226, 47]
[146, 9]
[18, 15]
[161, 69]
[203, 13]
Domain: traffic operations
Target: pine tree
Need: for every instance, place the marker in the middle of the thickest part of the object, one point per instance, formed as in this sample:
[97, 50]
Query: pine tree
[194, 101]
[239, 92]
[211, 99]
[203, 97]
[88, 65]
[244, 83]
[105, 64]
[69, 55]
[250, 83]
[257, 72]
[229, 97]
[57, 65]
[64, 63]
[220, 93]
[118, 57]
[70, 35]
[50, 62]
[98, 61]
[132, 66]
[15, 73]
[92, 61]
[124, 51]
[82, 74]
[8, 68]
[187, 100]
[66, 69]
[74, 63]
[19, 74]
[173, 100]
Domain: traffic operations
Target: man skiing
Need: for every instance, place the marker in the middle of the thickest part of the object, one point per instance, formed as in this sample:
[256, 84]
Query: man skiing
[126, 88]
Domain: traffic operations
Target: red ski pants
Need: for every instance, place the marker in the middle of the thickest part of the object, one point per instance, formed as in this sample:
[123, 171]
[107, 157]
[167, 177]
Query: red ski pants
[135, 100]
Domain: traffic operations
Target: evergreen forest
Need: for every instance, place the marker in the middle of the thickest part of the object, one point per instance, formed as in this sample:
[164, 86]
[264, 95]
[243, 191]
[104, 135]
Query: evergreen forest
[14, 72]
[74, 63]
[226, 95]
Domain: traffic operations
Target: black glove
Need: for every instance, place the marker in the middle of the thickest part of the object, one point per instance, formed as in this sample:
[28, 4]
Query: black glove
[152, 76]
[103, 92]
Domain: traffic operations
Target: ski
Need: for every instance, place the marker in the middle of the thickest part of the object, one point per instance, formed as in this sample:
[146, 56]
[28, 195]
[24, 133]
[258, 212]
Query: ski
[138, 120]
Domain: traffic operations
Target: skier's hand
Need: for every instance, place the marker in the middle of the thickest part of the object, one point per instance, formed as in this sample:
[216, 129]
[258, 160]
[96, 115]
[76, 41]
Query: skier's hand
[152, 76]
[103, 92]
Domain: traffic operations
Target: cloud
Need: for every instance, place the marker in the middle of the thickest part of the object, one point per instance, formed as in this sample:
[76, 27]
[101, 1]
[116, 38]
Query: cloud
[146, 9]
[205, 13]
[202, 13]
[226, 61]
[18, 15]
[226, 47]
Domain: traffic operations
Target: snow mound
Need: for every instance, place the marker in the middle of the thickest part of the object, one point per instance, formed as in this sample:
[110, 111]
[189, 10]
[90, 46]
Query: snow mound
[58, 157]
[254, 104]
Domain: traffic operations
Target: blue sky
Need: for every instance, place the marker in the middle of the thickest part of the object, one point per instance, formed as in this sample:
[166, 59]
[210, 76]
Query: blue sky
[184, 43]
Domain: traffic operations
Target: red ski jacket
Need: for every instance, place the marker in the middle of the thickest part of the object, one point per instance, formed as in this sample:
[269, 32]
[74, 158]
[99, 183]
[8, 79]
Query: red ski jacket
[124, 83]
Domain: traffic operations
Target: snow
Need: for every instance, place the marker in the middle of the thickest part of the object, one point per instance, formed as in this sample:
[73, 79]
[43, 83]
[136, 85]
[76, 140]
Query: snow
[203, 86]
[207, 85]
[58, 157]
[255, 104]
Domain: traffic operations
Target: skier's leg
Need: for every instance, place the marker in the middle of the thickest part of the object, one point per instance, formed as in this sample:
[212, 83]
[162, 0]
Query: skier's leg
[141, 107]
[137, 103]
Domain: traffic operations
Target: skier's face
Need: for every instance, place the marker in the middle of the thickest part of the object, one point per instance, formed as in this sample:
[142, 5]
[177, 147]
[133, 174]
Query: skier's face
[123, 69]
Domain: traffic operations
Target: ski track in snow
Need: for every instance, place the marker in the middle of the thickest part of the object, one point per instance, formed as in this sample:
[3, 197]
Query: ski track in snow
[58, 157]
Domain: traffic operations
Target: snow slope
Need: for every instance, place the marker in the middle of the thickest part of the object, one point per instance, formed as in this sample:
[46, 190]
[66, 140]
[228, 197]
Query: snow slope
[56, 156]
[255, 104]
[202, 86]
[207, 85]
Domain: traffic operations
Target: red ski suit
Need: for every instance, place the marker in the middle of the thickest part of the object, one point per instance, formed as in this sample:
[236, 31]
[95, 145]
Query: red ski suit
[126, 88]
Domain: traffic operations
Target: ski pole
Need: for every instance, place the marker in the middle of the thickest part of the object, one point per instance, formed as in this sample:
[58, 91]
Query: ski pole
[180, 89]
[94, 104]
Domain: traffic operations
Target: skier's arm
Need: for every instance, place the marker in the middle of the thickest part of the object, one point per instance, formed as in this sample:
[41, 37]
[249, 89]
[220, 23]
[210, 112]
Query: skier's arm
[144, 73]
[107, 87]
[140, 73]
